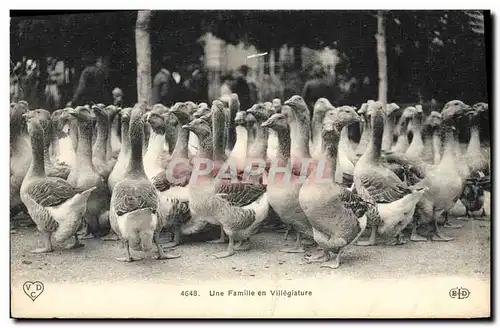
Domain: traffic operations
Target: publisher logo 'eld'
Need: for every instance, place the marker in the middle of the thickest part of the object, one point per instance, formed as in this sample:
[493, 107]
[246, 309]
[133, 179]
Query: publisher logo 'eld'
[459, 293]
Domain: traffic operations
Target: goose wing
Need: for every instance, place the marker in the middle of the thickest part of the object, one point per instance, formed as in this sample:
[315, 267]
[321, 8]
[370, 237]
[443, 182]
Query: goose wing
[52, 192]
[133, 196]
[181, 178]
[360, 206]
[384, 186]
[241, 194]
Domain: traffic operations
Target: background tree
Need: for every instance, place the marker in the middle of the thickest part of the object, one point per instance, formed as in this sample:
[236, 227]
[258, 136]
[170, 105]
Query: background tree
[143, 55]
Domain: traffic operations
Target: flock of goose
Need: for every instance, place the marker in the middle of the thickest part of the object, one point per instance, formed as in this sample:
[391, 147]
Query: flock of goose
[128, 173]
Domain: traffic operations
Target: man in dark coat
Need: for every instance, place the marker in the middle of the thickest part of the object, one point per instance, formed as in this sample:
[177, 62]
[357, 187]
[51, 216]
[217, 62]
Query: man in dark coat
[168, 86]
[317, 87]
[92, 86]
[241, 88]
[197, 85]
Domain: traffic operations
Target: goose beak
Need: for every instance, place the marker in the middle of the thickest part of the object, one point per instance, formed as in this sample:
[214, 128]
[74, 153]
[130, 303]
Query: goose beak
[186, 127]
[358, 119]
[72, 111]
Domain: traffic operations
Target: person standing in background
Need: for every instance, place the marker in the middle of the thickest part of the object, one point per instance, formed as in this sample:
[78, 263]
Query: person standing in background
[91, 86]
[225, 87]
[117, 97]
[197, 84]
[167, 87]
[241, 88]
[316, 87]
[55, 75]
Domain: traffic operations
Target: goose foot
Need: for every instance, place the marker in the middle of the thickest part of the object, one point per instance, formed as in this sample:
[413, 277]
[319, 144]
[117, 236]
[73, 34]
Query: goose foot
[224, 254]
[294, 249]
[47, 244]
[397, 240]
[86, 235]
[287, 231]
[228, 252]
[332, 263]
[77, 244]
[321, 257]
[161, 253]
[128, 257]
[450, 225]
[243, 245]
[416, 237]
[308, 242]
[221, 240]
[372, 241]
[111, 236]
[482, 217]
[439, 236]
[42, 250]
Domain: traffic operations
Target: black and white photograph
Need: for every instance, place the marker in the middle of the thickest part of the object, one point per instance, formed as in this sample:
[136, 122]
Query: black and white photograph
[175, 164]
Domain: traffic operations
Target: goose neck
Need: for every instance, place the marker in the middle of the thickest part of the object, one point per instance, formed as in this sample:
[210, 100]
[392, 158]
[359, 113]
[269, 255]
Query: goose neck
[37, 167]
[125, 137]
[136, 166]
[373, 151]
[181, 145]
[84, 150]
[388, 133]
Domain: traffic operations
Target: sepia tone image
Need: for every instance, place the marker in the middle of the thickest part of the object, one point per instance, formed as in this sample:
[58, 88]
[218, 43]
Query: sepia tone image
[250, 164]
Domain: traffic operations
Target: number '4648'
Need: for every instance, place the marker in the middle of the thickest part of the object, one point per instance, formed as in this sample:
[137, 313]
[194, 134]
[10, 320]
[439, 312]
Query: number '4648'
[189, 293]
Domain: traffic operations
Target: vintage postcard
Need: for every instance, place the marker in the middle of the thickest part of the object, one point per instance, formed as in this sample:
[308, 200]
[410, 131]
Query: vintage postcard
[250, 164]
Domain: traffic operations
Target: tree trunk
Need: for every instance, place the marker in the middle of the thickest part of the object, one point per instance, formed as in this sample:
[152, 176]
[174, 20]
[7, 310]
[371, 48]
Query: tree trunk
[143, 56]
[382, 58]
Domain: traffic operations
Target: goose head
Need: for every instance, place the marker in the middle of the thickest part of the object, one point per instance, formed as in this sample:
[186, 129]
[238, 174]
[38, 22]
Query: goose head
[404, 120]
[298, 106]
[277, 105]
[392, 109]
[200, 127]
[250, 119]
[269, 108]
[192, 107]
[100, 114]
[125, 114]
[481, 107]
[433, 121]
[322, 105]
[240, 118]
[182, 112]
[375, 110]
[157, 122]
[111, 111]
[35, 129]
[260, 112]
[82, 114]
[159, 108]
[202, 110]
[60, 118]
[43, 116]
[454, 110]
[338, 118]
[278, 122]
[16, 112]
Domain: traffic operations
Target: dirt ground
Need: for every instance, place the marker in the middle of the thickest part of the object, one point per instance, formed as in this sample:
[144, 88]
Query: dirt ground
[468, 254]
